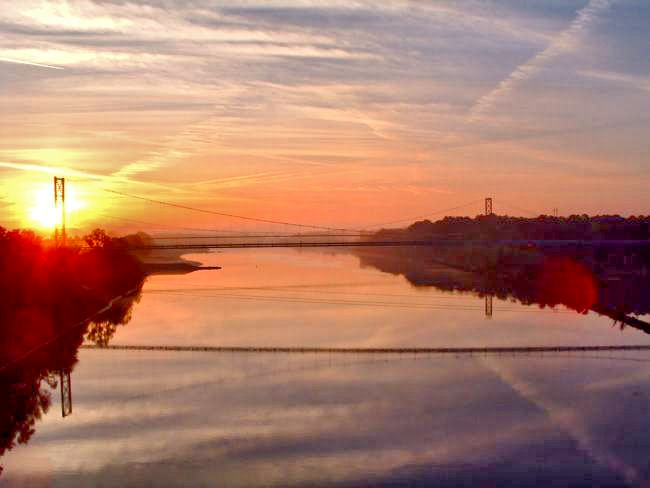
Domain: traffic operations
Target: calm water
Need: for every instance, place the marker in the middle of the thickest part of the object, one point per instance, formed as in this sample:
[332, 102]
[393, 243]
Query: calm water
[161, 418]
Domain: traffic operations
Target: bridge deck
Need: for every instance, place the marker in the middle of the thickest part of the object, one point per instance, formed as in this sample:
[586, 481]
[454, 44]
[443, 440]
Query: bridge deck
[249, 245]
[394, 243]
[377, 350]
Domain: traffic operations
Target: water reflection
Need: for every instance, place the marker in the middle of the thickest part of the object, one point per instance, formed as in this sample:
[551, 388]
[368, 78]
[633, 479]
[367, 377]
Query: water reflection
[39, 352]
[312, 420]
[309, 419]
[596, 281]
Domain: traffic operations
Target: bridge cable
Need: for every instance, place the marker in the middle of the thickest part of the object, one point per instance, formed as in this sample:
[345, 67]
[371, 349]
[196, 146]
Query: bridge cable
[249, 236]
[515, 207]
[223, 214]
[413, 219]
[236, 233]
[157, 225]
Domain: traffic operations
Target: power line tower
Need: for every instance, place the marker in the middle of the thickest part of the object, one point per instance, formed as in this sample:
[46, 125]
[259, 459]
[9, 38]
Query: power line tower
[59, 205]
[488, 206]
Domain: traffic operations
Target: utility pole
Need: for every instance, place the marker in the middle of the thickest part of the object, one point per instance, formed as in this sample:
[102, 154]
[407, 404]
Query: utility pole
[59, 205]
[488, 206]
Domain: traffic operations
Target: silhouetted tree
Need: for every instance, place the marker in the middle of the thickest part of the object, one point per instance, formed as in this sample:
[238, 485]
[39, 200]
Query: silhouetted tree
[98, 238]
[26, 381]
[574, 227]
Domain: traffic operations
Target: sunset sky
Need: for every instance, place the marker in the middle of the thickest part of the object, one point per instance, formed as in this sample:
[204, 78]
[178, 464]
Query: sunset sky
[336, 113]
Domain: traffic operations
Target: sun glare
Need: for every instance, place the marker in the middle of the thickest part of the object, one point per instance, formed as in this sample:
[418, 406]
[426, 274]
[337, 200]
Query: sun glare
[44, 214]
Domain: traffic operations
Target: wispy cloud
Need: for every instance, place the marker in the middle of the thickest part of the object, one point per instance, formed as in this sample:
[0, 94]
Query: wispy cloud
[252, 96]
[4, 203]
[52, 170]
[638, 82]
[29, 63]
[565, 41]
[81, 175]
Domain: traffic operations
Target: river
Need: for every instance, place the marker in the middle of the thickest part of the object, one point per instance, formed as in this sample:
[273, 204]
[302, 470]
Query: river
[210, 418]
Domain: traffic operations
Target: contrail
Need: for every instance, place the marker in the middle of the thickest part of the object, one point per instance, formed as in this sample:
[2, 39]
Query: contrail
[29, 63]
[566, 419]
[563, 42]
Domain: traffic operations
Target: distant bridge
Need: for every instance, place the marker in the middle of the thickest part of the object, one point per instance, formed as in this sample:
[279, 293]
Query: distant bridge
[376, 350]
[304, 242]
[315, 231]
[262, 244]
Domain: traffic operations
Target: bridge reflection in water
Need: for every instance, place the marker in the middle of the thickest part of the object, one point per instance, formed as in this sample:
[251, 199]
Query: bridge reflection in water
[319, 359]
[21, 378]
[387, 351]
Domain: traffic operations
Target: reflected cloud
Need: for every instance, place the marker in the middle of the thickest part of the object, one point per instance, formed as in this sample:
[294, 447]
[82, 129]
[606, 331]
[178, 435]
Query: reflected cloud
[380, 421]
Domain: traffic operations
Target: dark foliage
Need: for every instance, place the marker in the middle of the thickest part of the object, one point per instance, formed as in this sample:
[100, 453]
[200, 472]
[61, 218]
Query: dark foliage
[26, 384]
[598, 279]
[51, 299]
[544, 227]
[31, 274]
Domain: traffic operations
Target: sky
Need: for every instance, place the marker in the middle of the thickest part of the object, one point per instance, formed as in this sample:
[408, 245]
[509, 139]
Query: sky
[335, 113]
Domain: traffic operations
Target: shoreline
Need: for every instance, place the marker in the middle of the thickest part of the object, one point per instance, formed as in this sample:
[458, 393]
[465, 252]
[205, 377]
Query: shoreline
[169, 262]
[177, 267]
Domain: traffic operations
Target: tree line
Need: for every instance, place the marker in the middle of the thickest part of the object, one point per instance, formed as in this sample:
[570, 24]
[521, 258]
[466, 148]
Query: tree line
[543, 227]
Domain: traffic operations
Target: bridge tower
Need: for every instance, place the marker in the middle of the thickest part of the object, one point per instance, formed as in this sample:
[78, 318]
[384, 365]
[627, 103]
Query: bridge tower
[488, 306]
[59, 205]
[66, 393]
[488, 206]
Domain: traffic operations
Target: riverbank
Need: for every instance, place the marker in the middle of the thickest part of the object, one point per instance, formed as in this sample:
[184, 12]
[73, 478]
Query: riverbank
[168, 261]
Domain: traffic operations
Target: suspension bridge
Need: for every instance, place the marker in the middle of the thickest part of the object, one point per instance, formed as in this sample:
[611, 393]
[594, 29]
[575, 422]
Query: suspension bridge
[304, 235]
[307, 235]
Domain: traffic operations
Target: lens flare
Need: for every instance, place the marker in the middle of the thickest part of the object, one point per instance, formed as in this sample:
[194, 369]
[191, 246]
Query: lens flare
[43, 212]
[565, 280]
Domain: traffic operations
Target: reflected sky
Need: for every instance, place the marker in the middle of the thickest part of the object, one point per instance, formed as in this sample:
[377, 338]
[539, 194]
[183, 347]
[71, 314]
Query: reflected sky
[264, 419]
[295, 420]
[291, 298]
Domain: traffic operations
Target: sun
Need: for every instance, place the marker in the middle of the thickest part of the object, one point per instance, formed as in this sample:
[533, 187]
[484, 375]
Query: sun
[44, 214]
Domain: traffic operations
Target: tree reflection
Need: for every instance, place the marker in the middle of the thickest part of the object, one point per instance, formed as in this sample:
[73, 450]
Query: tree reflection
[582, 280]
[103, 326]
[53, 298]
[26, 382]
